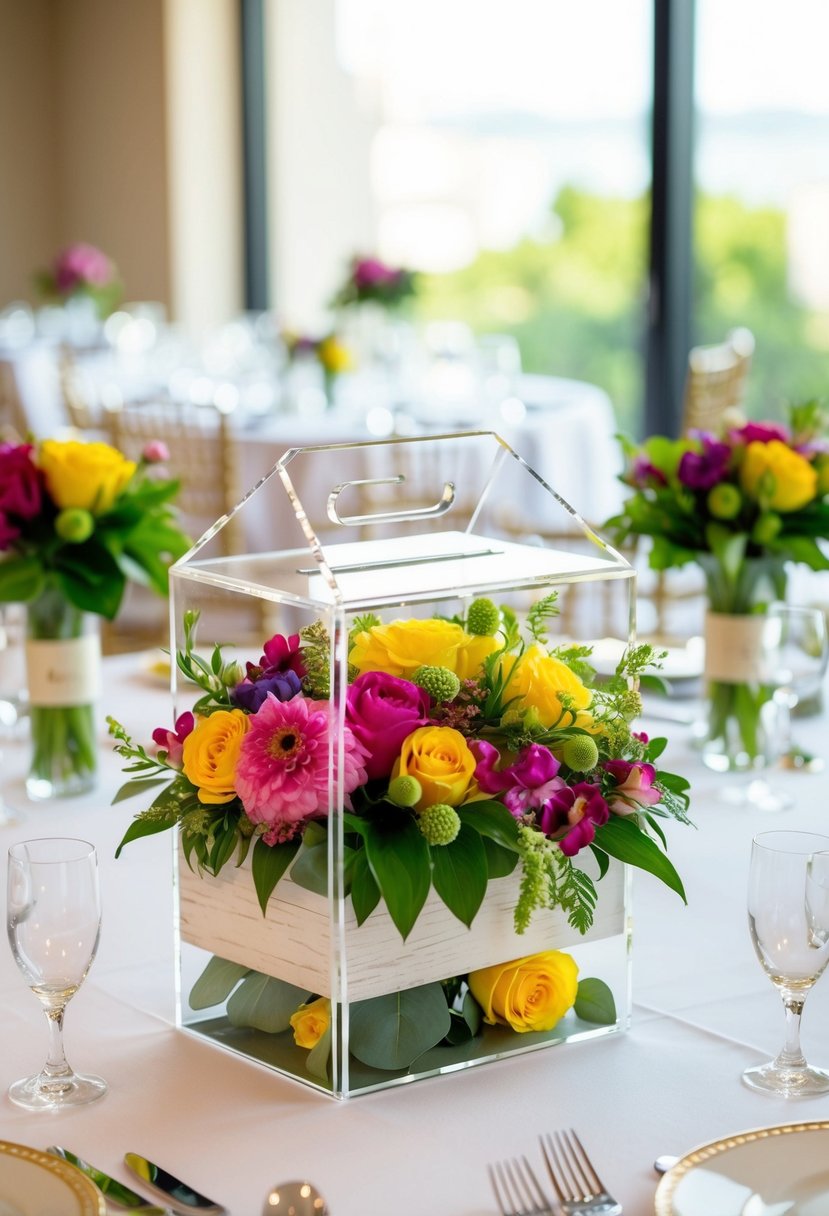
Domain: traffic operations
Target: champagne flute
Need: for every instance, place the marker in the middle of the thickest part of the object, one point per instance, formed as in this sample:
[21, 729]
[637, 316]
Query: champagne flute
[796, 651]
[788, 916]
[53, 917]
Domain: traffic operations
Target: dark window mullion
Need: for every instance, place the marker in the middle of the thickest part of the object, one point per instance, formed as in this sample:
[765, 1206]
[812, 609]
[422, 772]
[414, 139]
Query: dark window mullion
[252, 26]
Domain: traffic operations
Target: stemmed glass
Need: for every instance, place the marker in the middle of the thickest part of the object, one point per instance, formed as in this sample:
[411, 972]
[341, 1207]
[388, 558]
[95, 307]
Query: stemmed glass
[788, 917]
[53, 916]
[796, 652]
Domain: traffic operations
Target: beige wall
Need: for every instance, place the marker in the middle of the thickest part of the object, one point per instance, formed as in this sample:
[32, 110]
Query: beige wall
[120, 125]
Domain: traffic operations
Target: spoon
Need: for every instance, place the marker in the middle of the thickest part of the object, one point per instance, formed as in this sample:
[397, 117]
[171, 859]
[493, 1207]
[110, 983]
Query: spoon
[294, 1199]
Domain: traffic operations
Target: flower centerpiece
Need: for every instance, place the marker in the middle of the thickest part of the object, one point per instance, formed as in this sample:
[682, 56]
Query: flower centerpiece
[330, 352]
[741, 504]
[81, 271]
[77, 520]
[470, 747]
[372, 281]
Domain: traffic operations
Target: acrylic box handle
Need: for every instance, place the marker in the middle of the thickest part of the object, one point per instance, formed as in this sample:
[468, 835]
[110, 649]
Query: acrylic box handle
[388, 517]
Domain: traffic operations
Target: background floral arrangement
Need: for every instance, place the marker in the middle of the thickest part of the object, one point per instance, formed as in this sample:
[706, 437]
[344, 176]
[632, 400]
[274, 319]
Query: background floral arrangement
[80, 519]
[331, 352]
[369, 279]
[81, 270]
[469, 744]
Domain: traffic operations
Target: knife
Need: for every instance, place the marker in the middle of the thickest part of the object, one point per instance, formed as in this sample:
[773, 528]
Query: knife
[110, 1187]
[171, 1189]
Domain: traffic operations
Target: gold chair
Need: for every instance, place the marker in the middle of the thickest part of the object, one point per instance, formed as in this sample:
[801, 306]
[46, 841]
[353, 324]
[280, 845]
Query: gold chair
[716, 380]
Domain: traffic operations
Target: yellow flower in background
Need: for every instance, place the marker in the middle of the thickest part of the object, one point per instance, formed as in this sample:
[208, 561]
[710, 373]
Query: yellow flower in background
[783, 479]
[86, 475]
[334, 355]
[211, 752]
[530, 993]
[402, 646]
[311, 1021]
[538, 679]
[440, 759]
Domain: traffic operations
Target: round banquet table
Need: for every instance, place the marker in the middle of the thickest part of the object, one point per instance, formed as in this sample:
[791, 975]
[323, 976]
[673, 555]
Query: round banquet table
[703, 1011]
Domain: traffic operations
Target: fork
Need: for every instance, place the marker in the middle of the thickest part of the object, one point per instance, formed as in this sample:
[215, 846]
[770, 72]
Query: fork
[517, 1190]
[579, 1189]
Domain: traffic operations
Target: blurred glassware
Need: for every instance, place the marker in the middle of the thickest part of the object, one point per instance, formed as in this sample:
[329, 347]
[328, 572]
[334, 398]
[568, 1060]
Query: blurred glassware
[14, 703]
[795, 651]
[499, 367]
[17, 325]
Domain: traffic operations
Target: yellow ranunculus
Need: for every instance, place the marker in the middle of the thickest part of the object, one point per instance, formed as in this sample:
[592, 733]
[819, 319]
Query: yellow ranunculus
[783, 479]
[87, 475]
[211, 752]
[403, 646]
[538, 679]
[530, 993]
[310, 1022]
[440, 759]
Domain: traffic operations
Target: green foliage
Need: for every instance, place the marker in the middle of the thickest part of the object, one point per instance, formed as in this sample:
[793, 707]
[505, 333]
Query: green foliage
[595, 1003]
[391, 1031]
[216, 983]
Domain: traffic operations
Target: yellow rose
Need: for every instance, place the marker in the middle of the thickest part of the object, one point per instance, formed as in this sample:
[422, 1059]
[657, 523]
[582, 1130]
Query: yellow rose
[440, 759]
[334, 356]
[310, 1022]
[530, 993]
[403, 646]
[87, 475]
[784, 480]
[538, 679]
[211, 752]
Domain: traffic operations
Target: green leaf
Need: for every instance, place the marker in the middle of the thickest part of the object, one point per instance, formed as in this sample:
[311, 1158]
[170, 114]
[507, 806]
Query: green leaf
[399, 859]
[595, 1003]
[265, 1003]
[622, 839]
[216, 982]
[493, 820]
[21, 579]
[460, 874]
[602, 860]
[365, 894]
[391, 1031]
[138, 785]
[146, 827]
[466, 1023]
[499, 861]
[268, 864]
[317, 1059]
[310, 870]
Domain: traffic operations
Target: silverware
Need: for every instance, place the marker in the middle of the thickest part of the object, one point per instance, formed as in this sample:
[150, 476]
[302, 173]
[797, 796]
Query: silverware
[517, 1190]
[294, 1199]
[171, 1189]
[114, 1190]
[579, 1189]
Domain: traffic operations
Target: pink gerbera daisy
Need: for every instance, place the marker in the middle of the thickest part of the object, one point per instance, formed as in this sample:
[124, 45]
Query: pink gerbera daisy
[283, 770]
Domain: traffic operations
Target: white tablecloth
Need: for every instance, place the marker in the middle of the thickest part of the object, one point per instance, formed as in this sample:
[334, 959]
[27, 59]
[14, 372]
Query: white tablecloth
[703, 1012]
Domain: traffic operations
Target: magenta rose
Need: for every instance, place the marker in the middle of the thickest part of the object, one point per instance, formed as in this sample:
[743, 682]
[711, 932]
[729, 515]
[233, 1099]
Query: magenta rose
[20, 481]
[634, 790]
[760, 432]
[382, 711]
[81, 266]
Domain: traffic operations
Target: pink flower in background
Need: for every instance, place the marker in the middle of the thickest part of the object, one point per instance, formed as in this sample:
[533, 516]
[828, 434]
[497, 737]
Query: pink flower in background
[81, 265]
[20, 481]
[172, 741]
[371, 272]
[760, 432]
[283, 771]
[8, 533]
[156, 452]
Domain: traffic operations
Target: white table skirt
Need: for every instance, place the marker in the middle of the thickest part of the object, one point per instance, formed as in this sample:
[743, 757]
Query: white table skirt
[703, 1012]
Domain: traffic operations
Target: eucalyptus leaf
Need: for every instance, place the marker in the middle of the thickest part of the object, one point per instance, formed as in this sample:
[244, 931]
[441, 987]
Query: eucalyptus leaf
[317, 1059]
[595, 1003]
[460, 874]
[216, 982]
[399, 859]
[265, 1003]
[623, 840]
[391, 1031]
[269, 863]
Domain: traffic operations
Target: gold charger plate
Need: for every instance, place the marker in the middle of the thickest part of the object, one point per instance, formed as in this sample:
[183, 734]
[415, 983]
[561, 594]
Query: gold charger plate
[32, 1182]
[771, 1171]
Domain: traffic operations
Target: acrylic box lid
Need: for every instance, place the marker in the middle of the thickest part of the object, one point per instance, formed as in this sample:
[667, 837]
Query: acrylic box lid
[363, 525]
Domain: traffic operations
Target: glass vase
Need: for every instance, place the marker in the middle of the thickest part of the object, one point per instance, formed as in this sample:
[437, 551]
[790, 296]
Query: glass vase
[734, 727]
[63, 655]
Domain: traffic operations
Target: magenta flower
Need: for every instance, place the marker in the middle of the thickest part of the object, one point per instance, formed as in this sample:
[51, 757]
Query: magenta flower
[371, 272]
[572, 815]
[644, 473]
[526, 785]
[382, 711]
[760, 432]
[20, 481]
[281, 654]
[702, 470]
[81, 265]
[172, 741]
[155, 452]
[8, 533]
[284, 767]
[634, 790]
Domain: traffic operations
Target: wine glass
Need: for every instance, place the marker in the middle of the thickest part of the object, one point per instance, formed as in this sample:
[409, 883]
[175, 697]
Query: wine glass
[53, 916]
[788, 917]
[795, 651]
